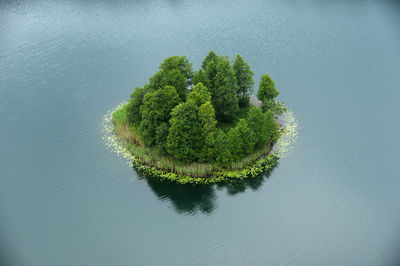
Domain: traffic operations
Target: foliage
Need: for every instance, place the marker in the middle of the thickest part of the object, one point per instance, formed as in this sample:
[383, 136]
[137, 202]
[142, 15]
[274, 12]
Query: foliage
[244, 77]
[157, 81]
[181, 64]
[258, 124]
[272, 127]
[185, 135]
[209, 130]
[276, 107]
[201, 77]
[172, 78]
[162, 132]
[155, 110]
[175, 71]
[223, 154]
[199, 94]
[134, 104]
[224, 97]
[210, 73]
[196, 130]
[267, 90]
[240, 140]
[177, 80]
[210, 57]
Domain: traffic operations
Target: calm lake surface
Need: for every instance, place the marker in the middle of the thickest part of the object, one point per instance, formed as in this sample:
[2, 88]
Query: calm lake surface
[66, 200]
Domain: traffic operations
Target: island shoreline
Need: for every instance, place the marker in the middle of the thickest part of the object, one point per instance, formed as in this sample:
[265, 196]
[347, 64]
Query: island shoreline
[263, 164]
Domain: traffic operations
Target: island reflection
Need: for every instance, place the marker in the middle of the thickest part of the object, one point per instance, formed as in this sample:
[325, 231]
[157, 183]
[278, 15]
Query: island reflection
[192, 199]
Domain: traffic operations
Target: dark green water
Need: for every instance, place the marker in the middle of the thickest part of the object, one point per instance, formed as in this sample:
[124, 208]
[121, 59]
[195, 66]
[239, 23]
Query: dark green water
[66, 200]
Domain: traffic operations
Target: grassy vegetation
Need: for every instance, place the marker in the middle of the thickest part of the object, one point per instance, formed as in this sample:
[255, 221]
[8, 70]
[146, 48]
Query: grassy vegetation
[150, 157]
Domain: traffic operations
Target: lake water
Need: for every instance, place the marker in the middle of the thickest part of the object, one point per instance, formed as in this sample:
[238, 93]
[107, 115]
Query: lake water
[66, 200]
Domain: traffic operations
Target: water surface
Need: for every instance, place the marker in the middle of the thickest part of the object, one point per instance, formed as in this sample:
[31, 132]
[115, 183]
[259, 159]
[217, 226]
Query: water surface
[66, 200]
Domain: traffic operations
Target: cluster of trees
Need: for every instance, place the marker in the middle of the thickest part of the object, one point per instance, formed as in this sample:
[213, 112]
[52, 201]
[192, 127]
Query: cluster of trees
[181, 112]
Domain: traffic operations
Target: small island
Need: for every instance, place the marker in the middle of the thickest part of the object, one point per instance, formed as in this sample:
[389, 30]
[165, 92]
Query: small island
[201, 126]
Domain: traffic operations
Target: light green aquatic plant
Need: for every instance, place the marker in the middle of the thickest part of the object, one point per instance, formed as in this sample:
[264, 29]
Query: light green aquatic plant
[285, 144]
[111, 140]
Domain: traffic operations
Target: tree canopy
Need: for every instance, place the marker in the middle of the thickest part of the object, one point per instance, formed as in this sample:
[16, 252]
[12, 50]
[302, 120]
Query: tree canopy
[180, 63]
[185, 135]
[155, 110]
[240, 140]
[209, 129]
[135, 102]
[223, 89]
[204, 116]
[199, 94]
[172, 78]
[244, 77]
[211, 56]
[267, 90]
[258, 124]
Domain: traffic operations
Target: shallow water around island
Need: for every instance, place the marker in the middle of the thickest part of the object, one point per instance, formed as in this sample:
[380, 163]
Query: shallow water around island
[65, 199]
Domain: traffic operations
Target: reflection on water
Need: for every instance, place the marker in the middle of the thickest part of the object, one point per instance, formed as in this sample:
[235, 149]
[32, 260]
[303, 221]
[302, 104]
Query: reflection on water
[185, 198]
[191, 199]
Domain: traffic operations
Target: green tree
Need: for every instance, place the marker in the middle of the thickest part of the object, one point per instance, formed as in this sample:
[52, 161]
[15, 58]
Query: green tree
[177, 80]
[223, 155]
[209, 130]
[172, 78]
[267, 90]
[240, 140]
[225, 104]
[272, 128]
[157, 81]
[134, 104]
[155, 110]
[276, 107]
[211, 71]
[199, 94]
[185, 134]
[258, 125]
[225, 76]
[244, 77]
[180, 63]
[210, 57]
[224, 97]
[201, 76]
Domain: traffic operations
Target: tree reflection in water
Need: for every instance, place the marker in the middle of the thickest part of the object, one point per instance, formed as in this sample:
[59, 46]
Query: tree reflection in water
[185, 198]
[191, 199]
